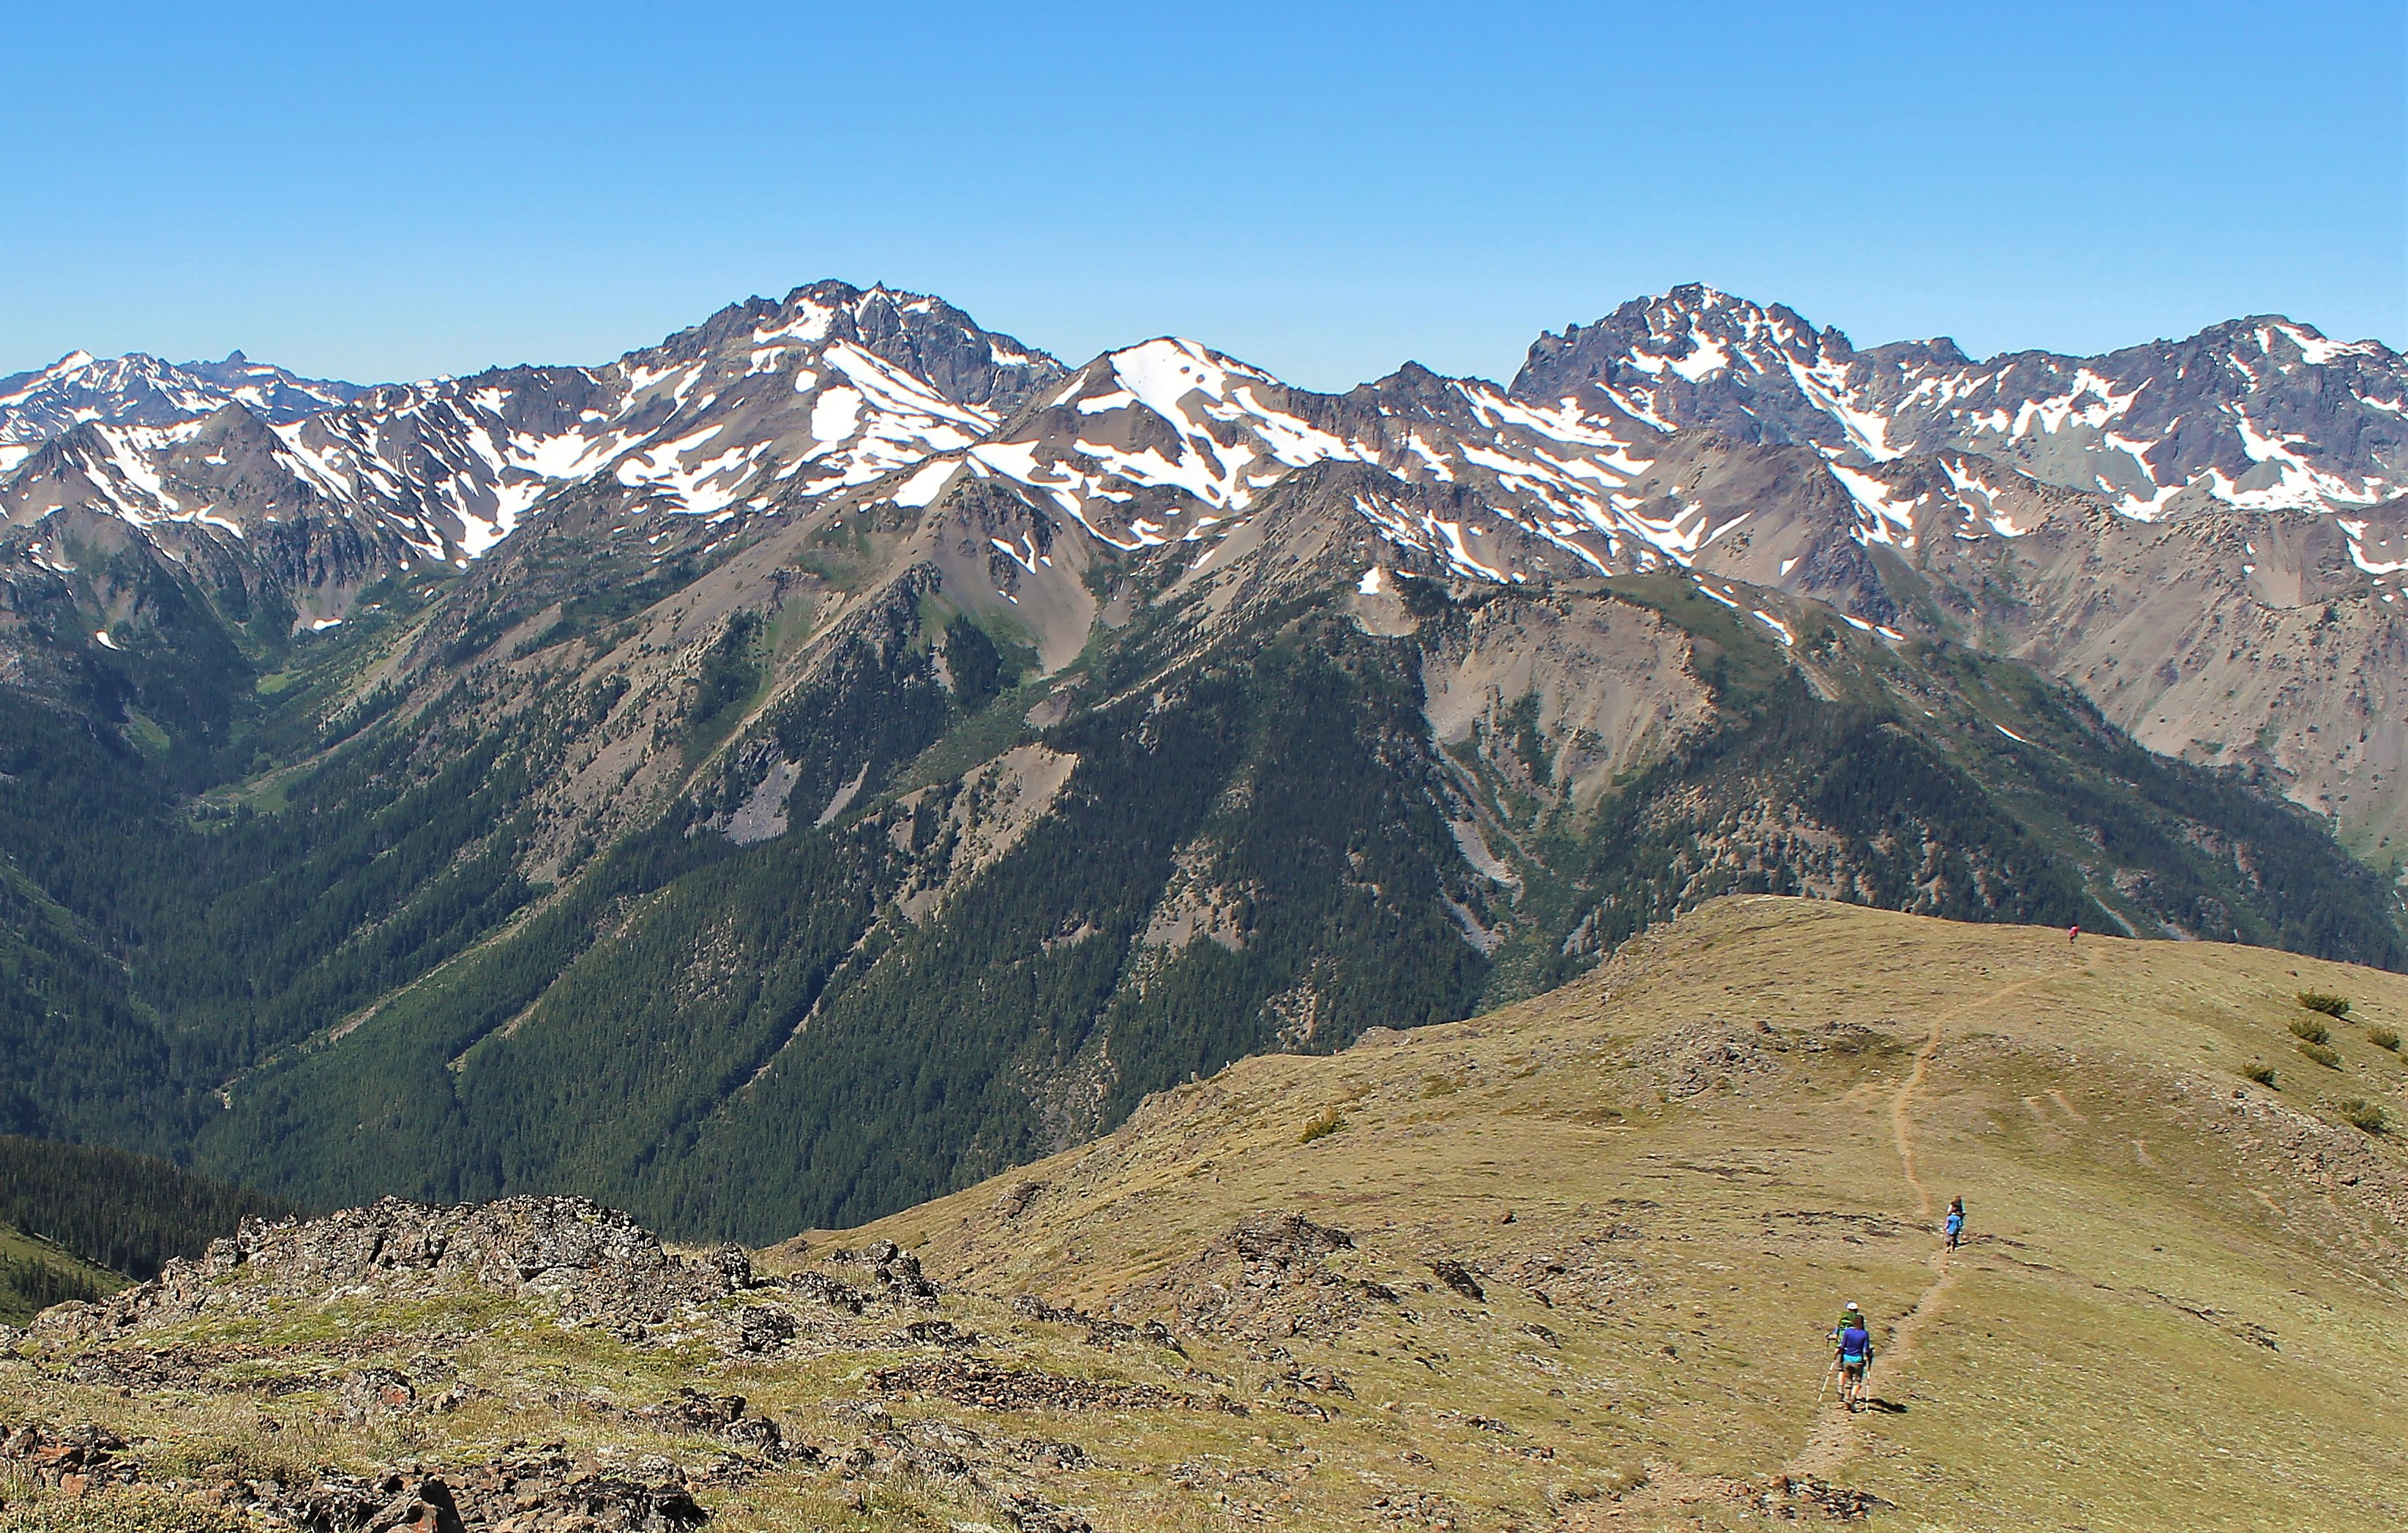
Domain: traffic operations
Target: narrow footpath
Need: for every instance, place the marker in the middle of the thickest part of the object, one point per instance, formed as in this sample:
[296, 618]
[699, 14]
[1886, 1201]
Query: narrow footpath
[1834, 1434]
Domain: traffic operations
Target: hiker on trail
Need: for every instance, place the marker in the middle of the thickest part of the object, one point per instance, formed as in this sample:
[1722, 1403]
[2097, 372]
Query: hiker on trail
[1854, 1346]
[1956, 1221]
[2074, 934]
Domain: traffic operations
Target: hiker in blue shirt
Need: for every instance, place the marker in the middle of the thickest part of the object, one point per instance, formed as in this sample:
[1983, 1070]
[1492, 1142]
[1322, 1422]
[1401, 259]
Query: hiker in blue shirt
[1855, 1355]
[1956, 1221]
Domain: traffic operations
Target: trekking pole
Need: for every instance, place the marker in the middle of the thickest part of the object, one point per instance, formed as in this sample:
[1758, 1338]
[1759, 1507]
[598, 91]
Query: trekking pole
[1830, 1371]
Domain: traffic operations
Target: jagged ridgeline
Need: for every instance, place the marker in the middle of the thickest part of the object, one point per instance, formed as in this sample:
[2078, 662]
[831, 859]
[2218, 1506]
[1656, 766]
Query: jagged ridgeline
[859, 754]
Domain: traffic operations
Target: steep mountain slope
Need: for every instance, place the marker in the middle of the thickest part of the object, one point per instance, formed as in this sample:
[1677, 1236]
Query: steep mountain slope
[927, 913]
[1693, 430]
[1567, 1266]
[35, 1273]
[838, 753]
[128, 1213]
[79, 1223]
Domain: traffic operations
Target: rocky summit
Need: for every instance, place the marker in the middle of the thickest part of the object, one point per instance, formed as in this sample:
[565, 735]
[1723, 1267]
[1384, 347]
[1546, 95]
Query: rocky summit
[841, 753]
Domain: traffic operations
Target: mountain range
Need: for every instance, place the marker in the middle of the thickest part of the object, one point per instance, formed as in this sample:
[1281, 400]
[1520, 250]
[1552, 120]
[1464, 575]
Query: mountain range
[842, 751]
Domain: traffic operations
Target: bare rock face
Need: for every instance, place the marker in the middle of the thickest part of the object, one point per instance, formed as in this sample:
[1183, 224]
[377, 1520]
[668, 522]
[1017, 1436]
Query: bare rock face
[599, 1264]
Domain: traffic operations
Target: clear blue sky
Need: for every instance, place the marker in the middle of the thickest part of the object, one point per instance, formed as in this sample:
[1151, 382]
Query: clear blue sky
[392, 191]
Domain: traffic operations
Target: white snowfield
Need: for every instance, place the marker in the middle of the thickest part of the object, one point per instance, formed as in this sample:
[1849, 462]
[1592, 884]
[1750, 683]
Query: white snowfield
[776, 407]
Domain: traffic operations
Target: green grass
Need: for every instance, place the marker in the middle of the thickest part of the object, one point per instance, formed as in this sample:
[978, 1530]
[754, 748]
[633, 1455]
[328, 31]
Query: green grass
[116, 1509]
[144, 735]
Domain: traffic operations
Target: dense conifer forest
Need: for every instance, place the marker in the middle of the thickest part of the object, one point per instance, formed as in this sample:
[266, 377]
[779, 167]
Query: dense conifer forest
[127, 1213]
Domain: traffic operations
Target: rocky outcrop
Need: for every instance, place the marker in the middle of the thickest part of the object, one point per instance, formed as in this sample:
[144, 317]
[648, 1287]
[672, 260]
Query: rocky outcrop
[598, 1265]
[543, 1493]
[1102, 1330]
[895, 1269]
[1269, 1277]
[972, 1382]
[74, 1459]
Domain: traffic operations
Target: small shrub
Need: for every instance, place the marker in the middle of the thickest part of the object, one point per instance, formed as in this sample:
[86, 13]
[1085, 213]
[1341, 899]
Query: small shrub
[2319, 1000]
[1322, 1124]
[2328, 1058]
[2262, 1072]
[2313, 1032]
[2384, 1037]
[2365, 1115]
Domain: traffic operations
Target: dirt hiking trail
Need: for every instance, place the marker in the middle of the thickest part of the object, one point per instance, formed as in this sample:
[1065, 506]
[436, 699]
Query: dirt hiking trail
[1834, 1436]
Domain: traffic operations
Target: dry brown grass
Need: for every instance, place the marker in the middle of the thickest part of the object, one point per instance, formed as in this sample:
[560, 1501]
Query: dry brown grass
[2138, 1229]
[2177, 1307]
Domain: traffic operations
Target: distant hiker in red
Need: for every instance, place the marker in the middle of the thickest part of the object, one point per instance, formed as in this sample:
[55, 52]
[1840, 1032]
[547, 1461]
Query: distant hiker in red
[2074, 934]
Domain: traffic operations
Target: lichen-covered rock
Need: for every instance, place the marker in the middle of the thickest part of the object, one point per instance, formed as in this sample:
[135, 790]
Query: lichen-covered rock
[1269, 1277]
[820, 1286]
[732, 1264]
[764, 1327]
[373, 1393]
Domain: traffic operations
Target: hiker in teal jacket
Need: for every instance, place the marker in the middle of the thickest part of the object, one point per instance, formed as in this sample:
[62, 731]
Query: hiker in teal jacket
[1855, 1356]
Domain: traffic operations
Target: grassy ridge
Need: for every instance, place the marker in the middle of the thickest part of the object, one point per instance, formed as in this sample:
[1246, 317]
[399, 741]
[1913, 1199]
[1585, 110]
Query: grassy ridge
[2177, 1309]
[1566, 1266]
